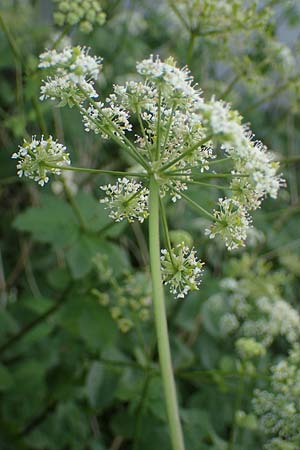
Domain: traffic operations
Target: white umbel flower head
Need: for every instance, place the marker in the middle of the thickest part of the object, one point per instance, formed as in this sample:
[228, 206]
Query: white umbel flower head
[75, 61]
[232, 223]
[34, 158]
[181, 270]
[177, 82]
[74, 71]
[127, 199]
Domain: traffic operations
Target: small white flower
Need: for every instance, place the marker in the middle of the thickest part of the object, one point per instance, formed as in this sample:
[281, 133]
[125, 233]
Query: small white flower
[127, 199]
[35, 156]
[181, 270]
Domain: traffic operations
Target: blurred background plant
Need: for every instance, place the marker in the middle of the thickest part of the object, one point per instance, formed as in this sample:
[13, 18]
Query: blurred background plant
[78, 362]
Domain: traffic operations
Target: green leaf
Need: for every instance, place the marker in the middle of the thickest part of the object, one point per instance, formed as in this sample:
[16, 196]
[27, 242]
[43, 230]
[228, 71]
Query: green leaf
[96, 326]
[38, 305]
[92, 211]
[80, 255]
[53, 222]
[94, 382]
[59, 278]
[100, 385]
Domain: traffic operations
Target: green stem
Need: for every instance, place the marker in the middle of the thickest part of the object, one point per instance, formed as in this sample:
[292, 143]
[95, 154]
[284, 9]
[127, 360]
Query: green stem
[191, 47]
[218, 161]
[271, 95]
[166, 230]
[142, 128]
[194, 204]
[126, 144]
[230, 87]
[158, 126]
[201, 183]
[184, 154]
[128, 148]
[97, 171]
[168, 129]
[64, 32]
[208, 175]
[161, 321]
[11, 39]
[74, 206]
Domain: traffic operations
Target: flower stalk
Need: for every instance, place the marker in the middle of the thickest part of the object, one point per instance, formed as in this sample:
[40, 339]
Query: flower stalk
[161, 321]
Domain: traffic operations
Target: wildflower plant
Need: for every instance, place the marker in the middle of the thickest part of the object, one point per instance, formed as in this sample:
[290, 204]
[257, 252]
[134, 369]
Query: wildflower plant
[175, 139]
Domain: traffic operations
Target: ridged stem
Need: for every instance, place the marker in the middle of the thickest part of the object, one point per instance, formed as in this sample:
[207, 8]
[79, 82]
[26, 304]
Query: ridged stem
[161, 321]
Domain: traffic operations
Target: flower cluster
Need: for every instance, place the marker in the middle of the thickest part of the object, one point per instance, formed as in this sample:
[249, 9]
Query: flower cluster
[249, 348]
[179, 132]
[250, 307]
[262, 318]
[74, 72]
[129, 301]
[181, 270]
[231, 16]
[35, 159]
[175, 82]
[126, 200]
[251, 159]
[232, 223]
[164, 124]
[279, 407]
[86, 13]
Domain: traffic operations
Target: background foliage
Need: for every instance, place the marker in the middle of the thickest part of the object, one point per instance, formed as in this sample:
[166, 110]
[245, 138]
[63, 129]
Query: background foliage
[77, 347]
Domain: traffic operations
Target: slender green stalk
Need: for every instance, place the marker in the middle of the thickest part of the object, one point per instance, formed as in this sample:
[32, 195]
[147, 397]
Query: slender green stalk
[271, 95]
[172, 4]
[208, 175]
[166, 230]
[230, 86]
[218, 161]
[158, 126]
[161, 321]
[64, 32]
[10, 38]
[114, 137]
[125, 143]
[142, 128]
[201, 183]
[184, 154]
[74, 206]
[191, 47]
[194, 204]
[168, 129]
[97, 171]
